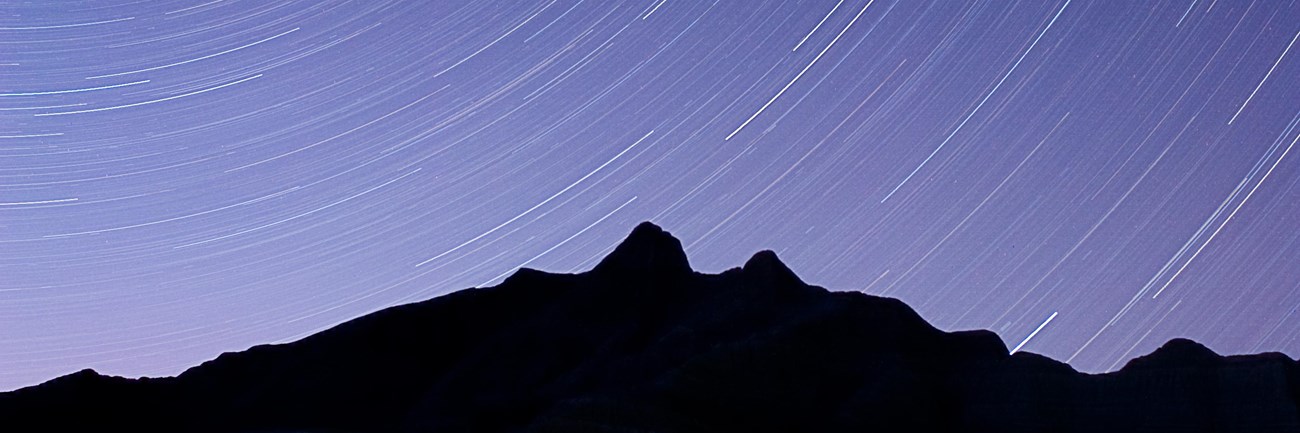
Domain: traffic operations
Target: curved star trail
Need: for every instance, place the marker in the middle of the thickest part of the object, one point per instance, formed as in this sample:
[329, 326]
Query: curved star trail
[1088, 179]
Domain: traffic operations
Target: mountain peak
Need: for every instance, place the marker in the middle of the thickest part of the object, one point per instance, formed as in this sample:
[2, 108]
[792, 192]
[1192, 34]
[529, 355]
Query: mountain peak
[766, 266]
[1177, 352]
[81, 376]
[1183, 348]
[648, 249]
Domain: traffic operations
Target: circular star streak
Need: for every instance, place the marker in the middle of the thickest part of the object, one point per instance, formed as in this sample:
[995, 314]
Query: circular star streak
[1088, 179]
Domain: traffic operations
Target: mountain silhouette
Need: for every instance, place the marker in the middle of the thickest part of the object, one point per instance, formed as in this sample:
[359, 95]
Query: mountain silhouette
[642, 343]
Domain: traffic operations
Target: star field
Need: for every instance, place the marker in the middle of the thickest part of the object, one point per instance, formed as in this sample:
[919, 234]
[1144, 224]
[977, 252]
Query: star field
[1088, 179]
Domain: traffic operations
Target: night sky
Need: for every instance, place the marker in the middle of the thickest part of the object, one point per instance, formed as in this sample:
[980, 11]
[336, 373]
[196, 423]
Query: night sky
[1088, 179]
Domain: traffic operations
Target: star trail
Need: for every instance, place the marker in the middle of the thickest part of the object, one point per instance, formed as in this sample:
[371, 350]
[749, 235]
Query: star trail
[1087, 179]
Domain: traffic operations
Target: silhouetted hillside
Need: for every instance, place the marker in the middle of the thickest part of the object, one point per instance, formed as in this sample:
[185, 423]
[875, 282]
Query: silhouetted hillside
[644, 344]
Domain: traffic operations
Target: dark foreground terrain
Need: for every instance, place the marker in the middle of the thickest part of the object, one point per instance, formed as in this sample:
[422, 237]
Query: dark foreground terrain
[644, 344]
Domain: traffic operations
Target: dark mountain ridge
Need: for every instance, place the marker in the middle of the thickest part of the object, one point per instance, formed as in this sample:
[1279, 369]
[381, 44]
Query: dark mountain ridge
[644, 343]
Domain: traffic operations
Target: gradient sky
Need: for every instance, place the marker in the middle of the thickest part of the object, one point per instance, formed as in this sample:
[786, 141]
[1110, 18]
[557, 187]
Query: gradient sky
[1088, 179]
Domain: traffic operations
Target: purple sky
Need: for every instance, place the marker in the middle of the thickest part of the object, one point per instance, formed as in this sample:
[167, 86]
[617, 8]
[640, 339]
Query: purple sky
[1088, 179]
